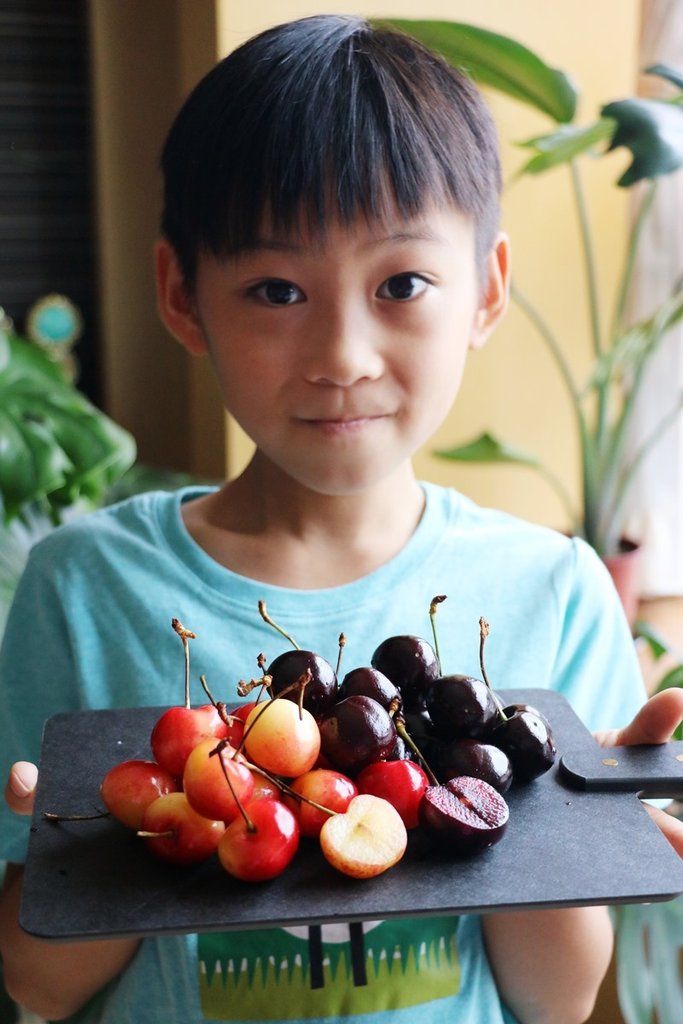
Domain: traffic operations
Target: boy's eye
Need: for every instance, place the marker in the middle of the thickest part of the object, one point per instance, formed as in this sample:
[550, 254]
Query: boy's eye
[402, 287]
[277, 293]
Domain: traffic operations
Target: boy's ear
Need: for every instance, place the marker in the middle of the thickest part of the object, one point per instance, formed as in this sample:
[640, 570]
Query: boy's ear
[495, 292]
[175, 302]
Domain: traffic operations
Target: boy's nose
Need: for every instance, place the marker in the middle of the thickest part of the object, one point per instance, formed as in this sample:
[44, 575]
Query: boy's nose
[343, 349]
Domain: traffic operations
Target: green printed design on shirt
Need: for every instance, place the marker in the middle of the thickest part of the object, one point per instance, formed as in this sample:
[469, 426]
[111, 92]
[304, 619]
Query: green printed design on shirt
[266, 975]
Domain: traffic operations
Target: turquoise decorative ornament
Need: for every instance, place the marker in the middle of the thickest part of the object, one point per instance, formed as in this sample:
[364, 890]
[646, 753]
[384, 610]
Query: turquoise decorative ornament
[55, 324]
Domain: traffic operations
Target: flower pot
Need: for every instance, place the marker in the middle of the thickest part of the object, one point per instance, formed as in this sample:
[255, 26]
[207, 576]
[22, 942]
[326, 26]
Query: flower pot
[624, 568]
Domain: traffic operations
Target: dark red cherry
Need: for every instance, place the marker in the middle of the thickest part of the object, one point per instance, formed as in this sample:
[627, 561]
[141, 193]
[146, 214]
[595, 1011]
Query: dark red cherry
[371, 683]
[461, 706]
[401, 751]
[422, 732]
[527, 738]
[321, 691]
[464, 816]
[411, 664]
[478, 760]
[356, 732]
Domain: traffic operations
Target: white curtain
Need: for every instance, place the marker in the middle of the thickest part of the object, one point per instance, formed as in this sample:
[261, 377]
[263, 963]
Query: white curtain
[656, 501]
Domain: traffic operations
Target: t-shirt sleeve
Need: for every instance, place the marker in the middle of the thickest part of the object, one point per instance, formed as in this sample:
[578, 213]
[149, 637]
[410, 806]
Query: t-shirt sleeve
[36, 673]
[596, 667]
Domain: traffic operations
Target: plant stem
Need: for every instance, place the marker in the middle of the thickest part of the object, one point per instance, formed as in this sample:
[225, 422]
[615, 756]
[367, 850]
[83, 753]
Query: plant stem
[629, 473]
[551, 341]
[631, 253]
[589, 257]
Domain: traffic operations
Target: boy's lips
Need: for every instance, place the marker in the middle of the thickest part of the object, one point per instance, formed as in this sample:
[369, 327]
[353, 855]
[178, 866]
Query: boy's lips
[344, 422]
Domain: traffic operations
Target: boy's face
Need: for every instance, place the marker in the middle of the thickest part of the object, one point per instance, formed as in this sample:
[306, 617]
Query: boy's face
[340, 357]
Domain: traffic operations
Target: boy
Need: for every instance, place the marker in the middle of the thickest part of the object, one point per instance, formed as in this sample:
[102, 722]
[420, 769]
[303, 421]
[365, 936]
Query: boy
[330, 240]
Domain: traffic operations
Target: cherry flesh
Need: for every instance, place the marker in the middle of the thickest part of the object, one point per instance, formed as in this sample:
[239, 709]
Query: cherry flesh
[465, 815]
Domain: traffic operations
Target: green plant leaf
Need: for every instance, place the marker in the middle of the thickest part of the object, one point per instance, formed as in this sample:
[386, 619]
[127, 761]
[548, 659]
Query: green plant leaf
[487, 448]
[674, 678]
[495, 60]
[56, 448]
[656, 643]
[637, 345]
[668, 72]
[563, 145]
[653, 131]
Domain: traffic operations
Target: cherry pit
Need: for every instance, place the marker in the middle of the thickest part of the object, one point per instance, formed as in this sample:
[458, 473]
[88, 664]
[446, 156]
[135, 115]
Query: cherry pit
[352, 763]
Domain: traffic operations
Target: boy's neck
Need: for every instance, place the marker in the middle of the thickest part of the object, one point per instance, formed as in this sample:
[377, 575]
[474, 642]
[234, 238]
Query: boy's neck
[266, 526]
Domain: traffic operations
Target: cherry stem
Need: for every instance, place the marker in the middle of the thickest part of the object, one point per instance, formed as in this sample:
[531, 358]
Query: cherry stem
[484, 631]
[285, 788]
[266, 618]
[220, 750]
[168, 834]
[220, 705]
[51, 816]
[436, 601]
[399, 722]
[342, 645]
[185, 635]
[244, 688]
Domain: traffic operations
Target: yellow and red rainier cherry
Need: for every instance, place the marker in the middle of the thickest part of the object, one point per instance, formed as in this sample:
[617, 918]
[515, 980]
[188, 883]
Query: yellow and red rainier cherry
[282, 738]
[216, 781]
[174, 832]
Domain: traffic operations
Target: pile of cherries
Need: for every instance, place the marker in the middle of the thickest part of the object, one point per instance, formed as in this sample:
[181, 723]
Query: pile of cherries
[353, 764]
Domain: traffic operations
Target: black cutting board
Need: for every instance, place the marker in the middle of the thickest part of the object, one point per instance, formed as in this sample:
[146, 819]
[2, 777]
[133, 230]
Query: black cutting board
[569, 842]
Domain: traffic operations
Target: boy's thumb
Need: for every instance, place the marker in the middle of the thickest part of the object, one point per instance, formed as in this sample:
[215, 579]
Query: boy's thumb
[20, 788]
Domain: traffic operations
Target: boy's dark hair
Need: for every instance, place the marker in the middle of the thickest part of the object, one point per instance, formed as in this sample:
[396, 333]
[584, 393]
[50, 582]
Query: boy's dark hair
[328, 116]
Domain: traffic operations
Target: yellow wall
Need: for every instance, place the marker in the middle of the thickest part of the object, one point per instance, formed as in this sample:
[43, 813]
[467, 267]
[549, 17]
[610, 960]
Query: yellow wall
[147, 55]
[511, 388]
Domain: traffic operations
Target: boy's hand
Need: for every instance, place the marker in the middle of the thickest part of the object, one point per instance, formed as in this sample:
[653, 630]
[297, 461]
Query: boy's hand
[21, 787]
[654, 723]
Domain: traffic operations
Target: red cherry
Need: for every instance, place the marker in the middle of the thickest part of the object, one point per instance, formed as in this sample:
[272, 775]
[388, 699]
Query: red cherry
[179, 730]
[261, 848]
[402, 783]
[327, 788]
[242, 710]
[130, 787]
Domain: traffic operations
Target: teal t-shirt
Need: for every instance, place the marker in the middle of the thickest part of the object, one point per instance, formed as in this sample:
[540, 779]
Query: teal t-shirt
[90, 628]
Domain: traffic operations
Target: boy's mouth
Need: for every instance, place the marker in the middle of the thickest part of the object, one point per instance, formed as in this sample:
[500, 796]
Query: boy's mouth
[344, 423]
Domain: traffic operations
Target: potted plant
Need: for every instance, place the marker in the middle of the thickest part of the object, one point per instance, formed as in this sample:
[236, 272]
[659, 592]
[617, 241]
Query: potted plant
[60, 454]
[603, 403]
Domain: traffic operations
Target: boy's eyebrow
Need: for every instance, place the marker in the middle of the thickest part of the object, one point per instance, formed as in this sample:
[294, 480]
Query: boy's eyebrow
[267, 244]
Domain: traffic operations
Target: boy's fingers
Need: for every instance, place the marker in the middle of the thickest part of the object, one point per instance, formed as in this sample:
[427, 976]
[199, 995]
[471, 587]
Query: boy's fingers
[670, 826]
[20, 788]
[654, 723]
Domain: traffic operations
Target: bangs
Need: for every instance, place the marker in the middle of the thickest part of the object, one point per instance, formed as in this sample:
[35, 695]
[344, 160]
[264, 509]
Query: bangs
[324, 119]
